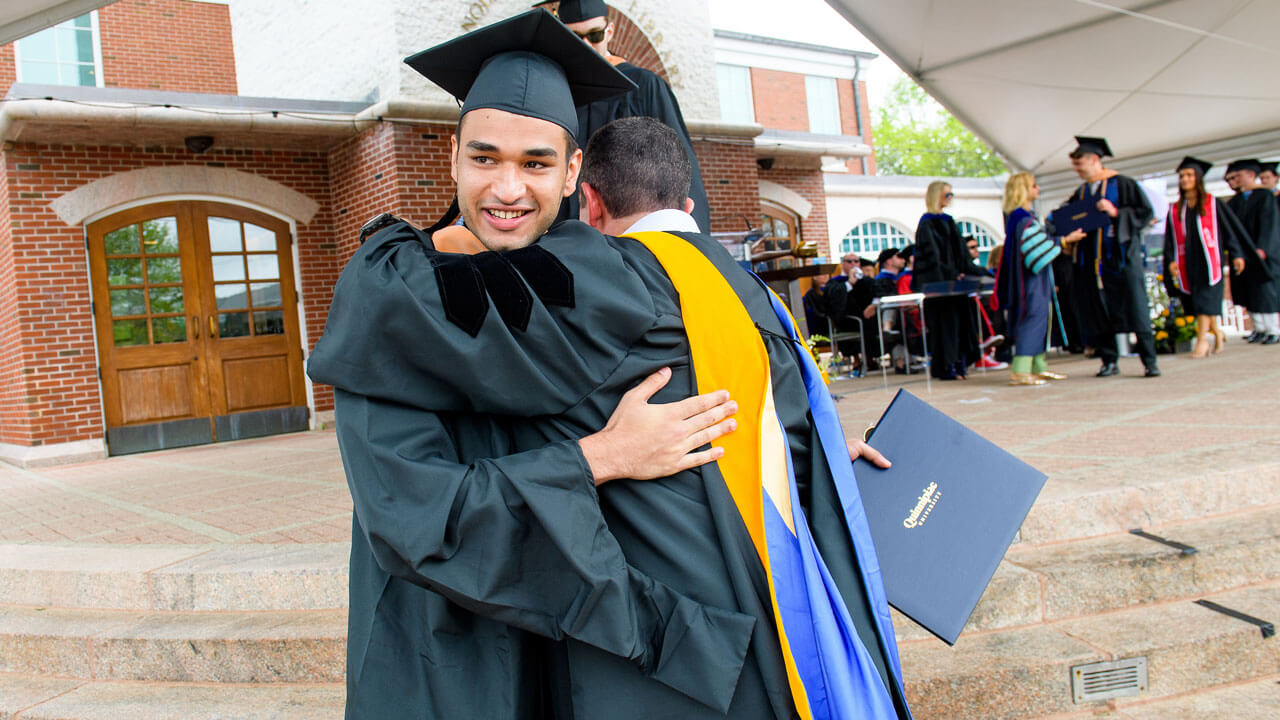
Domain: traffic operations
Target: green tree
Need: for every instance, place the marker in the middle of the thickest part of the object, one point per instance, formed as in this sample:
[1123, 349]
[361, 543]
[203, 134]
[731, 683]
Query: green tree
[914, 135]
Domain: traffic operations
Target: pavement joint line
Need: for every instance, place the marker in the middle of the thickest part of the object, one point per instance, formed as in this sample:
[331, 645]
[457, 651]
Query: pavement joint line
[185, 523]
[1135, 414]
[245, 473]
[297, 525]
[82, 683]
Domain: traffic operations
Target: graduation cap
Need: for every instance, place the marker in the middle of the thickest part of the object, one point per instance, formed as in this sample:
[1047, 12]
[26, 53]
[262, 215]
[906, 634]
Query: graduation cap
[1250, 164]
[1269, 167]
[1196, 163]
[1096, 145]
[530, 65]
[572, 11]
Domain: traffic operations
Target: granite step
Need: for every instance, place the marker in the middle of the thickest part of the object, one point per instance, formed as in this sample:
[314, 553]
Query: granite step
[1107, 505]
[1253, 699]
[148, 577]
[1054, 582]
[27, 697]
[1025, 672]
[214, 647]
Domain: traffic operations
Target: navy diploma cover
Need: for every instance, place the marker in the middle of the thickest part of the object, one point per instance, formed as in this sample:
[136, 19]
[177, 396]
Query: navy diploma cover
[943, 516]
[1079, 215]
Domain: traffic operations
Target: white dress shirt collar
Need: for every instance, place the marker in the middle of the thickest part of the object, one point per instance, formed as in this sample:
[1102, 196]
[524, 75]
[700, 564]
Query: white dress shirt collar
[665, 221]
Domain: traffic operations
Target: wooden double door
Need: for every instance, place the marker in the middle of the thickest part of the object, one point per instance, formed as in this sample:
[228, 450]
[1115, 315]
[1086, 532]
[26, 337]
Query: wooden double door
[197, 325]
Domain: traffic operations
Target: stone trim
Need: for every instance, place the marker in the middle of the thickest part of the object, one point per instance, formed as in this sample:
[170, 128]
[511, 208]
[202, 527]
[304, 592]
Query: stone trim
[55, 454]
[786, 197]
[84, 202]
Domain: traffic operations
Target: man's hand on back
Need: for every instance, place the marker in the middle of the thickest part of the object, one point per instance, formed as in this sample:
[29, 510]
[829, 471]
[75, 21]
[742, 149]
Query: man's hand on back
[643, 441]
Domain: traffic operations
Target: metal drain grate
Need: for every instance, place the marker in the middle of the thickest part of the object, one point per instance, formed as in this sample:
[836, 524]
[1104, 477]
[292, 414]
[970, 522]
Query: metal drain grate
[1112, 679]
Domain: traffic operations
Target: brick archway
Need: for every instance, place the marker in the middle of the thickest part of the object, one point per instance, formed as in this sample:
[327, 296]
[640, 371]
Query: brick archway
[630, 42]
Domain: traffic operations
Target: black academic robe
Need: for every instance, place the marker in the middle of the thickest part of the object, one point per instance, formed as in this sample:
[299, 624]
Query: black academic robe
[1203, 298]
[1110, 293]
[1258, 289]
[651, 98]
[941, 256]
[556, 372]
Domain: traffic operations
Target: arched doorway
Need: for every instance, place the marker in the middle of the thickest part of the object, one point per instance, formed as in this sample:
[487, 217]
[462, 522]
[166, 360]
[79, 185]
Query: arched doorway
[196, 318]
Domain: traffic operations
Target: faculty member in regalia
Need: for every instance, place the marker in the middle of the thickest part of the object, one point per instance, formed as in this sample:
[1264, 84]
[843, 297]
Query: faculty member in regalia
[1200, 234]
[941, 256]
[1024, 284]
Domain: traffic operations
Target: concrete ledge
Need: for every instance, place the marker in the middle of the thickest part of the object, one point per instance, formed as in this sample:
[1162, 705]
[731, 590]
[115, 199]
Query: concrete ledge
[49, 455]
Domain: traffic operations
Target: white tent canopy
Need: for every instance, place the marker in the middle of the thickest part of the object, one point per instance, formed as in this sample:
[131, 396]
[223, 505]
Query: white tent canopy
[1157, 78]
[19, 18]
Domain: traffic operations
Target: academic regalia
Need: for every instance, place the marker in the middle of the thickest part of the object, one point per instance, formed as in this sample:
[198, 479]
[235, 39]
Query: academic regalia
[941, 256]
[1258, 289]
[651, 98]
[549, 361]
[1026, 295]
[1200, 286]
[1108, 285]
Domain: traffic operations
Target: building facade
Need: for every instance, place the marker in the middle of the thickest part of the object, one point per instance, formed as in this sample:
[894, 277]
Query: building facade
[183, 181]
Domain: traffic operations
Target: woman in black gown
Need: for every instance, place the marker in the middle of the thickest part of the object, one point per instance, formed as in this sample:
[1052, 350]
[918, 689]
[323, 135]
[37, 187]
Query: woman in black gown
[1199, 236]
[941, 256]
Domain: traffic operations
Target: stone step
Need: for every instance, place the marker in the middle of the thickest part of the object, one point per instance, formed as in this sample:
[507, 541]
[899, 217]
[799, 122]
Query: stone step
[1106, 505]
[26, 697]
[1054, 582]
[1024, 672]
[148, 577]
[1255, 699]
[226, 647]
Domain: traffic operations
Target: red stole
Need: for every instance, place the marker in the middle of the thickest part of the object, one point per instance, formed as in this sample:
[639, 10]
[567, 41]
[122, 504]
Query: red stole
[1208, 240]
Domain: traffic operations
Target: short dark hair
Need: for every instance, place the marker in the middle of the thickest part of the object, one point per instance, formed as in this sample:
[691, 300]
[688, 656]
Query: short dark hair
[907, 252]
[863, 262]
[885, 254]
[637, 164]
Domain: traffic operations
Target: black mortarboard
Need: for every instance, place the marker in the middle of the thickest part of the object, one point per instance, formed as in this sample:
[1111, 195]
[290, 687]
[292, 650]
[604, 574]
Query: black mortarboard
[1269, 167]
[530, 65]
[1251, 164]
[1096, 145]
[907, 252]
[572, 11]
[1197, 163]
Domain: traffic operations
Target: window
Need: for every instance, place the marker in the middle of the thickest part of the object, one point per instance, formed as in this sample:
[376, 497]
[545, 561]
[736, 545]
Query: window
[65, 54]
[869, 238]
[986, 239]
[824, 105]
[735, 94]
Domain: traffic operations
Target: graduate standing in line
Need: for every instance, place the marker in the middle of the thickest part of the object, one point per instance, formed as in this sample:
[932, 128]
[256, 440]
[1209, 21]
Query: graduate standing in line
[1269, 177]
[1258, 211]
[589, 20]
[1201, 233]
[1108, 287]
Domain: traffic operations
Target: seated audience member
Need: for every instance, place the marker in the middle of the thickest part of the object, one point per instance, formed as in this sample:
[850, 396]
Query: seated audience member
[815, 306]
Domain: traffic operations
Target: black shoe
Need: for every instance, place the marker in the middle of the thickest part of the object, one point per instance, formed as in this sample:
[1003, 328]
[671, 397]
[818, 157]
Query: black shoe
[1152, 372]
[1108, 369]
[1271, 340]
[1256, 338]
[1251, 336]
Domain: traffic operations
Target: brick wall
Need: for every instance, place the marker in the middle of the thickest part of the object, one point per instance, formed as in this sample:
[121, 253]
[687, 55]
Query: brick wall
[779, 99]
[807, 182]
[849, 121]
[46, 331]
[629, 42]
[731, 178]
[176, 45]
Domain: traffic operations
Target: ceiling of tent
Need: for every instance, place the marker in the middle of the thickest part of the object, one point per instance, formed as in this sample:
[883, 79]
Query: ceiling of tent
[1158, 78]
[19, 18]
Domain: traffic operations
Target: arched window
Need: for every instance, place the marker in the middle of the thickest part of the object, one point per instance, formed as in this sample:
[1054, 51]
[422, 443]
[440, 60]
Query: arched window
[869, 238]
[985, 237]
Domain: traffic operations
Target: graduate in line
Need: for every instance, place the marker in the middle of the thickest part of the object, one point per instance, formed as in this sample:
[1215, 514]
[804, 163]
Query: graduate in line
[1259, 286]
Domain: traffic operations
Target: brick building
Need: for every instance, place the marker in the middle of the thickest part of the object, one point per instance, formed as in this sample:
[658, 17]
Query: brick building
[180, 188]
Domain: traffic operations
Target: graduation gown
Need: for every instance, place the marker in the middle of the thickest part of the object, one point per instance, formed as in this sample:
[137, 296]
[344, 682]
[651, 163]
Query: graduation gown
[1026, 296]
[941, 256]
[1203, 297]
[556, 372]
[1108, 287]
[651, 98]
[1258, 288]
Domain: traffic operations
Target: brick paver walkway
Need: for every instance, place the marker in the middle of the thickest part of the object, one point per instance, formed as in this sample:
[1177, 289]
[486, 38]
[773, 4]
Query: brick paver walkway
[1086, 433]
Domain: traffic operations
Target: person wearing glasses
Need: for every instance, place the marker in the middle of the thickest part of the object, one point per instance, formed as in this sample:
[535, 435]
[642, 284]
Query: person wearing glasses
[941, 256]
[589, 20]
